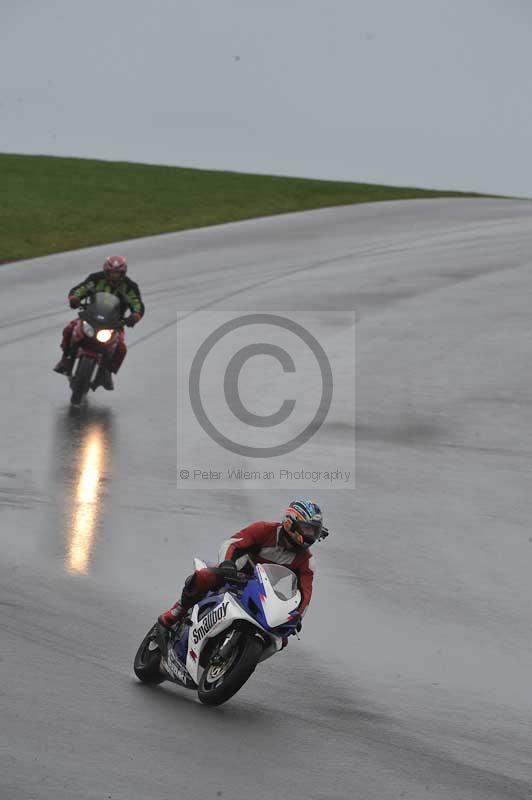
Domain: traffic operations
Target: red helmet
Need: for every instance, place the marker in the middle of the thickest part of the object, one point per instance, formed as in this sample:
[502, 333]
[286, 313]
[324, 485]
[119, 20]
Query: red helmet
[115, 267]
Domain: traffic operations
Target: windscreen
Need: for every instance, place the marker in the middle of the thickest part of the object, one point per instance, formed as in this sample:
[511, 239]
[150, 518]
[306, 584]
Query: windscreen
[105, 303]
[282, 579]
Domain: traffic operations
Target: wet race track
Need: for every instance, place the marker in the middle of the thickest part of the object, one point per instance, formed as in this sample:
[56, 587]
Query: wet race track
[412, 678]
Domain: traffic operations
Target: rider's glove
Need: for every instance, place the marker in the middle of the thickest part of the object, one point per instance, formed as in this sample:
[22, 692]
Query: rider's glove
[297, 620]
[132, 319]
[228, 569]
[74, 301]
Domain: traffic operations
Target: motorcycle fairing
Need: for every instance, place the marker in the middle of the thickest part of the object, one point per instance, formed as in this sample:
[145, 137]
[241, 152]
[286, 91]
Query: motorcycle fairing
[176, 670]
[203, 628]
[271, 609]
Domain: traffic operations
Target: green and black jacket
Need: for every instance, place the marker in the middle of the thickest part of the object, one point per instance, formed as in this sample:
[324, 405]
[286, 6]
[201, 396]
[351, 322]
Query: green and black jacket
[126, 290]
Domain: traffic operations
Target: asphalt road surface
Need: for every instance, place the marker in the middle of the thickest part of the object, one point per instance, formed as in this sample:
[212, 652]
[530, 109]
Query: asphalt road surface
[412, 679]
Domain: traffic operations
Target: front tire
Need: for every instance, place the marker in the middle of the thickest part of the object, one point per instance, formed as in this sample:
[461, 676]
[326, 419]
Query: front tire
[81, 381]
[147, 662]
[213, 690]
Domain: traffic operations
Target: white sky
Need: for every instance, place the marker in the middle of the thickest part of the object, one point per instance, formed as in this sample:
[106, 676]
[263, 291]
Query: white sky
[413, 92]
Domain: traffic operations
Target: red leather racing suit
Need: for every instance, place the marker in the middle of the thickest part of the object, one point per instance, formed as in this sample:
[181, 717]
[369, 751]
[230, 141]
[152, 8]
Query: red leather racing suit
[259, 543]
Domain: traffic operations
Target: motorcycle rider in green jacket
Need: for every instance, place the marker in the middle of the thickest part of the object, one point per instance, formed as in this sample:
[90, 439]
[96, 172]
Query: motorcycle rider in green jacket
[112, 278]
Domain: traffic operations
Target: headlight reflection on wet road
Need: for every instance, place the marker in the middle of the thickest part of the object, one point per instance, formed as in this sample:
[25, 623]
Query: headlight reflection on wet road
[86, 500]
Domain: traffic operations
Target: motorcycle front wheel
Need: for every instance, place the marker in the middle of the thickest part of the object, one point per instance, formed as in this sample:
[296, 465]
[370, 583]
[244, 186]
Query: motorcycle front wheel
[222, 679]
[81, 381]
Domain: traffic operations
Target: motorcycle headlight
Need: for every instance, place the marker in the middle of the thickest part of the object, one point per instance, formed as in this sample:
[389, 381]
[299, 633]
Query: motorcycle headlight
[88, 330]
[103, 336]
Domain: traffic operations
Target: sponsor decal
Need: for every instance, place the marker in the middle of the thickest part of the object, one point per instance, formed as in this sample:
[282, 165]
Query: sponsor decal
[175, 667]
[208, 622]
[193, 655]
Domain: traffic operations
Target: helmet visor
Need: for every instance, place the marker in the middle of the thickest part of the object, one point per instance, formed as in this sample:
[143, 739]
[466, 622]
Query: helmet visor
[114, 274]
[310, 531]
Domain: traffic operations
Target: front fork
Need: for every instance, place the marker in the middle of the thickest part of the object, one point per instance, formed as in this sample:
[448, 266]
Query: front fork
[231, 640]
[227, 646]
[103, 358]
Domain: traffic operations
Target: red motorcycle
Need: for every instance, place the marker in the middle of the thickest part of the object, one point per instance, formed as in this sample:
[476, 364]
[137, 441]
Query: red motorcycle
[94, 338]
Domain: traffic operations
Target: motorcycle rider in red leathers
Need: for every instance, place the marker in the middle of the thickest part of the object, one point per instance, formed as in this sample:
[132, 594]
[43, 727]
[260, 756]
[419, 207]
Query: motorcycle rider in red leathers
[287, 543]
[111, 279]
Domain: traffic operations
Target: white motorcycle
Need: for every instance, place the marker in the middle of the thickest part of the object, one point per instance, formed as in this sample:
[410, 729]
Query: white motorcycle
[216, 649]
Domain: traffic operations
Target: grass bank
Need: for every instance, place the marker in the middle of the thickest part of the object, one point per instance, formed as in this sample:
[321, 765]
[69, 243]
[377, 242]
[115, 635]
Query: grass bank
[50, 204]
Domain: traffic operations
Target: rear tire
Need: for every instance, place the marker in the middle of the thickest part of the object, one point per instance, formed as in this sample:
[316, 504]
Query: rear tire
[219, 690]
[147, 662]
[81, 381]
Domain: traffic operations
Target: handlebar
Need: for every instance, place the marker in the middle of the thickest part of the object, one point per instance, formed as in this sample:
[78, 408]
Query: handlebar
[239, 578]
[242, 578]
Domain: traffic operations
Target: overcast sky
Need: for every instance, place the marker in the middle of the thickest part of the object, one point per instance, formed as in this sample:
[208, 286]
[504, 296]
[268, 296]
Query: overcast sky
[413, 92]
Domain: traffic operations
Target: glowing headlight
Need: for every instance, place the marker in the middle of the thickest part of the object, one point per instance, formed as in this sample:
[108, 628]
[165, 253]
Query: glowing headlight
[88, 330]
[103, 336]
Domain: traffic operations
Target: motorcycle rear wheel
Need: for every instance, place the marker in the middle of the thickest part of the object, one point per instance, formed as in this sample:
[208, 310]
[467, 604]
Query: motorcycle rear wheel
[218, 684]
[81, 381]
[147, 662]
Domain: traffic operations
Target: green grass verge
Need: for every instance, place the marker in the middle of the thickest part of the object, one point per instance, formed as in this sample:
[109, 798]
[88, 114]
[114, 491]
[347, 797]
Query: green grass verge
[48, 205]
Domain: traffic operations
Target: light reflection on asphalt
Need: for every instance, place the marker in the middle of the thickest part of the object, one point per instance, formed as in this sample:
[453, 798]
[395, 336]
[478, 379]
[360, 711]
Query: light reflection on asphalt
[86, 501]
[82, 464]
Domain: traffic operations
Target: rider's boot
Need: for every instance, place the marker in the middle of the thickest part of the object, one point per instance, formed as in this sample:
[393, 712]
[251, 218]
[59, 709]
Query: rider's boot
[105, 379]
[64, 366]
[167, 622]
[173, 617]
